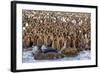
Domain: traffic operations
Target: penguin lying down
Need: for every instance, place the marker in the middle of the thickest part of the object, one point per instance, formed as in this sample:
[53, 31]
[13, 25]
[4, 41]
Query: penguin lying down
[46, 53]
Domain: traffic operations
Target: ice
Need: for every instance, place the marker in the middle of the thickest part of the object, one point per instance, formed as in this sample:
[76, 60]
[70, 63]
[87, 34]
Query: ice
[27, 57]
